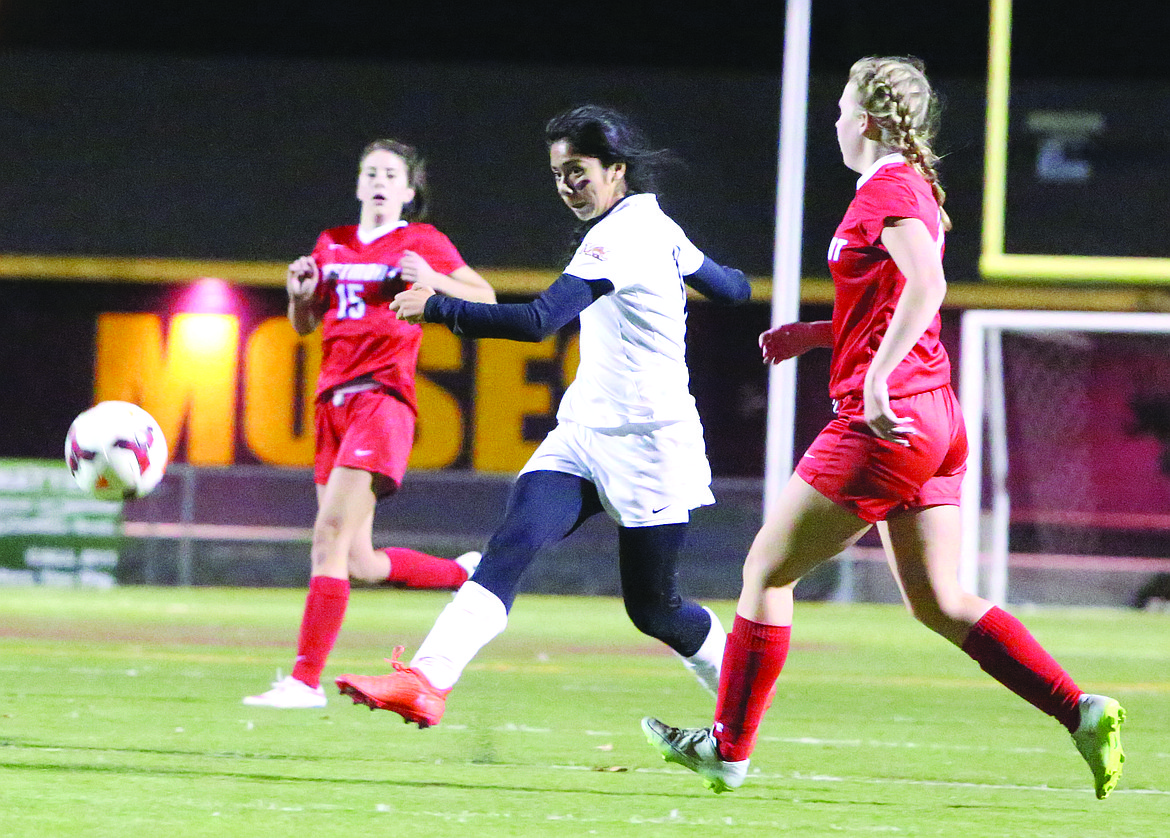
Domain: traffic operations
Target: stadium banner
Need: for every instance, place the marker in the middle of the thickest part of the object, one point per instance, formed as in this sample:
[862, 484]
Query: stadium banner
[231, 383]
[231, 395]
[51, 533]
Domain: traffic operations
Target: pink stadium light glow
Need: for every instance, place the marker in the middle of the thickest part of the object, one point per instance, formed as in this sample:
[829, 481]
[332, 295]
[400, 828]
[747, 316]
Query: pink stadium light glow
[209, 296]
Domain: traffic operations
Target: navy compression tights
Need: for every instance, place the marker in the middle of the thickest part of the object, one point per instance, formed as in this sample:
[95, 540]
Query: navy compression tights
[547, 506]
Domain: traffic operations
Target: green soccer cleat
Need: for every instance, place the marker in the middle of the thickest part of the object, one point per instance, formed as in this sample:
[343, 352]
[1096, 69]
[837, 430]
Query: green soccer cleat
[1098, 738]
[696, 749]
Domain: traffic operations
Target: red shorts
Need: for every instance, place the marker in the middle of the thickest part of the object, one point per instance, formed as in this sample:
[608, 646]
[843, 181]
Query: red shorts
[874, 478]
[369, 431]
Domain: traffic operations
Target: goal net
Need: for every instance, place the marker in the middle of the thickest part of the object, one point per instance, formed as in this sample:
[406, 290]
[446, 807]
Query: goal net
[1068, 420]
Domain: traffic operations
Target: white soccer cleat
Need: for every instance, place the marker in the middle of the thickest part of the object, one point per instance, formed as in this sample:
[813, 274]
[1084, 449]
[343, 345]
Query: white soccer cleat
[469, 561]
[289, 694]
[1098, 738]
[696, 749]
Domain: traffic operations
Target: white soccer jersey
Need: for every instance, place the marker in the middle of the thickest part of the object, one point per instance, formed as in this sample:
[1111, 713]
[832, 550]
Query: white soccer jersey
[633, 368]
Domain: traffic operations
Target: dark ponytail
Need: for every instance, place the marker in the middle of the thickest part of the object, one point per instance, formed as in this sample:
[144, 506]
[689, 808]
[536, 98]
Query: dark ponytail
[611, 137]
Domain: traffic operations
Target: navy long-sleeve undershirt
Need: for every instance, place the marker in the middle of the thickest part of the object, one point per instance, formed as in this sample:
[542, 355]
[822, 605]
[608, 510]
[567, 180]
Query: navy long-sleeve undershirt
[533, 321]
[567, 297]
[720, 284]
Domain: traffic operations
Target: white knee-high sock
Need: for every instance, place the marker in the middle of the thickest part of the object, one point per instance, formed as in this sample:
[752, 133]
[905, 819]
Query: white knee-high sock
[473, 618]
[706, 662]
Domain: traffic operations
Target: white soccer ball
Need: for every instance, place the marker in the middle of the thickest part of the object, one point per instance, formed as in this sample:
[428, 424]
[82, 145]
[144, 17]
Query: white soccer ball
[116, 451]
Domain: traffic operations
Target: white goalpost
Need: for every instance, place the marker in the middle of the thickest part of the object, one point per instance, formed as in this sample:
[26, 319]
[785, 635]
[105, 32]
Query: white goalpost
[790, 155]
[1064, 400]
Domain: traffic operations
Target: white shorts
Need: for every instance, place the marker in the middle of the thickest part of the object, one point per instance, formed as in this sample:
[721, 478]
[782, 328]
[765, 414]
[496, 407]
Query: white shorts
[644, 477]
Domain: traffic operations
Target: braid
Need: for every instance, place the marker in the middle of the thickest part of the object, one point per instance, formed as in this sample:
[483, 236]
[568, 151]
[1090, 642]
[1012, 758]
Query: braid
[896, 94]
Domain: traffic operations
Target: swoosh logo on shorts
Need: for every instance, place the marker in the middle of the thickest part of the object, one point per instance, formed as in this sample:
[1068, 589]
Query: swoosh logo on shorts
[362, 452]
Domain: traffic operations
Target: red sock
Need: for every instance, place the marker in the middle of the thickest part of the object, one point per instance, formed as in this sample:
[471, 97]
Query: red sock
[324, 611]
[1008, 652]
[752, 660]
[412, 569]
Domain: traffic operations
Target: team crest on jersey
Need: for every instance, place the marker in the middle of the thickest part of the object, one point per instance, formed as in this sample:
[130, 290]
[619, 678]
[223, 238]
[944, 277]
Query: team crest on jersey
[596, 251]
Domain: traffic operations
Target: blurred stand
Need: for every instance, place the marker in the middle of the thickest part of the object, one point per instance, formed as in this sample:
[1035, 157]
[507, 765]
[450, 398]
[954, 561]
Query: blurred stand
[251, 526]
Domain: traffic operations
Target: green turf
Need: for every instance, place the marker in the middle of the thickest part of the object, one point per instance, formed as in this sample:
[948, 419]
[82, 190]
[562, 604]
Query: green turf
[120, 716]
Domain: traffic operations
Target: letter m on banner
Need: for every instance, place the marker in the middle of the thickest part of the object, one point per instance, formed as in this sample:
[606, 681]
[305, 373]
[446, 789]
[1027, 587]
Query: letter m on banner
[186, 380]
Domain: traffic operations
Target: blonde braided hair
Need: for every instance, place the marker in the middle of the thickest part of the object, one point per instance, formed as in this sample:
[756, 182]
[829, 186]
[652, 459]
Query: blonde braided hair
[896, 94]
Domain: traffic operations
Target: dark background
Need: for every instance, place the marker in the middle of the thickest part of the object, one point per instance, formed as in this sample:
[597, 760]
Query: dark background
[231, 131]
[1072, 39]
[181, 119]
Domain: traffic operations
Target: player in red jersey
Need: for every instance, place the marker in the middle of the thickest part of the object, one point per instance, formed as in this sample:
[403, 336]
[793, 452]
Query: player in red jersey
[365, 404]
[894, 456]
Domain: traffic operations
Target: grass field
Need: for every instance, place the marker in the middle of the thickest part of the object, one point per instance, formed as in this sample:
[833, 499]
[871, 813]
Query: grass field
[121, 716]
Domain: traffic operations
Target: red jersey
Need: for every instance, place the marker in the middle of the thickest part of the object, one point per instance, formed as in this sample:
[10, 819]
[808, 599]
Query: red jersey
[361, 337]
[867, 283]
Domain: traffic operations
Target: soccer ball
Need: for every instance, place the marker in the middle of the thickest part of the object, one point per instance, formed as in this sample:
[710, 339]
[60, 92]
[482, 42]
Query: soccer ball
[116, 451]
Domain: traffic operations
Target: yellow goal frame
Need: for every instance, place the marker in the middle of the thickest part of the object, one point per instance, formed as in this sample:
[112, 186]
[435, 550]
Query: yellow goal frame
[993, 262]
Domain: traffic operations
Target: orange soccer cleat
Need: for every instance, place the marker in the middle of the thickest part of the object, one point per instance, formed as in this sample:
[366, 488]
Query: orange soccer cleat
[405, 691]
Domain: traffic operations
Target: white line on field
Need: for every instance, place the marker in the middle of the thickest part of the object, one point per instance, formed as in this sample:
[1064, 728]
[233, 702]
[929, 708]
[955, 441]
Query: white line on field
[873, 743]
[894, 781]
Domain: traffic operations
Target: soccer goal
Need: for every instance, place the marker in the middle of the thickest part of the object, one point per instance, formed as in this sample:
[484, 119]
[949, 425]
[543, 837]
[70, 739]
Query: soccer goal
[1068, 420]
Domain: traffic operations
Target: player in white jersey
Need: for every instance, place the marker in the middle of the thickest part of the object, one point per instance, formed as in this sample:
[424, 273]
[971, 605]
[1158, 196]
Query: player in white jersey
[628, 440]
[632, 384]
